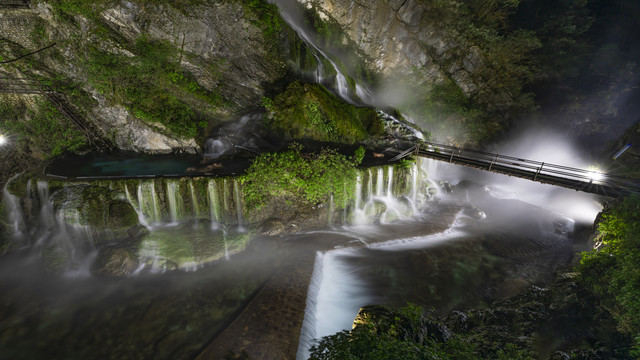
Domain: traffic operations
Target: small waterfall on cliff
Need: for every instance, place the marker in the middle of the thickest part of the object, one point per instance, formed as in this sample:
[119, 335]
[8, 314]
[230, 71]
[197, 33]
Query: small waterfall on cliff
[148, 202]
[339, 81]
[14, 210]
[237, 197]
[214, 203]
[194, 201]
[390, 182]
[331, 211]
[380, 183]
[174, 202]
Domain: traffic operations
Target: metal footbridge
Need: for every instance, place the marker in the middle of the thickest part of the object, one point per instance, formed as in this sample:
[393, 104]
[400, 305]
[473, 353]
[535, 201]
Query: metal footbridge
[590, 181]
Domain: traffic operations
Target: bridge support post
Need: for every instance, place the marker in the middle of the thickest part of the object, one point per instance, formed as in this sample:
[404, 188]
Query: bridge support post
[492, 161]
[535, 177]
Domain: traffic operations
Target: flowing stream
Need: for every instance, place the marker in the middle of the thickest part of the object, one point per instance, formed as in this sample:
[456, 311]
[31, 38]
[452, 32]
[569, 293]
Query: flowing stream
[406, 240]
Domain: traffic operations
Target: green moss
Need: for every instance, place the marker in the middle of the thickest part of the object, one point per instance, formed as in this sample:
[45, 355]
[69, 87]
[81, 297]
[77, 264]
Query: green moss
[265, 16]
[308, 111]
[151, 86]
[309, 178]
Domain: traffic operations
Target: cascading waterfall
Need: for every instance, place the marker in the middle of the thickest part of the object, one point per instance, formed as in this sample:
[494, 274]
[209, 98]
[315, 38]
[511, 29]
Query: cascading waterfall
[380, 183]
[148, 202]
[340, 84]
[308, 331]
[358, 192]
[369, 194]
[390, 182]
[194, 201]
[236, 195]
[15, 214]
[214, 203]
[225, 195]
[331, 211]
[172, 199]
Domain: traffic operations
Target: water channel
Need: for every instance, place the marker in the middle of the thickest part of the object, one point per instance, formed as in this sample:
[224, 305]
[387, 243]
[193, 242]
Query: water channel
[487, 238]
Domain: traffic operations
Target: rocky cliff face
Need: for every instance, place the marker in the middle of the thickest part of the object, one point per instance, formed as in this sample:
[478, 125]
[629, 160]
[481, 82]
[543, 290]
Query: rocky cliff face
[218, 61]
[406, 39]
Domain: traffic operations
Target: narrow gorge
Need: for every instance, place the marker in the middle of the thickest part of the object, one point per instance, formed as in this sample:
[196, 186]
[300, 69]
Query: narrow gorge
[245, 179]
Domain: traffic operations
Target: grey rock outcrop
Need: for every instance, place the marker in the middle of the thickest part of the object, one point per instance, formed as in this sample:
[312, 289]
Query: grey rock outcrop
[402, 41]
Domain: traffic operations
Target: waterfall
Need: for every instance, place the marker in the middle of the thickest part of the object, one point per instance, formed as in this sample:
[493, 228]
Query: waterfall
[148, 202]
[225, 195]
[172, 200]
[194, 201]
[369, 195]
[237, 196]
[331, 211]
[308, 331]
[380, 183]
[414, 184]
[214, 203]
[390, 182]
[341, 85]
[358, 203]
[15, 214]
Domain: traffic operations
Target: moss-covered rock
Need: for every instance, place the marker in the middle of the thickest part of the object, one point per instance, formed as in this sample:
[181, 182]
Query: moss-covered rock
[115, 262]
[309, 111]
[104, 211]
[185, 247]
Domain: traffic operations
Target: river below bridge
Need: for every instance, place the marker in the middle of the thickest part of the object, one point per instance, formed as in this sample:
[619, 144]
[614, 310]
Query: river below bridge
[483, 241]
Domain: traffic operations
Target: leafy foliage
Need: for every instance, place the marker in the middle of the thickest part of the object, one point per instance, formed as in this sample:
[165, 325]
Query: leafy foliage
[308, 177]
[267, 17]
[308, 111]
[387, 338]
[612, 272]
[45, 129]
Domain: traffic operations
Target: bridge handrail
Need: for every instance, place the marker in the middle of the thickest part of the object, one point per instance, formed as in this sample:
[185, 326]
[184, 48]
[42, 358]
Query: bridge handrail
[540, 168]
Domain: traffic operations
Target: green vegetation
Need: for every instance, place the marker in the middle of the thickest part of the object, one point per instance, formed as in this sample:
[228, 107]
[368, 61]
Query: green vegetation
[266, 17]
[307, 178]
[91, 8]
[308, 111]
[382, 333]
[488, 73]
[151, 85]
[612, 271]
[45, 130]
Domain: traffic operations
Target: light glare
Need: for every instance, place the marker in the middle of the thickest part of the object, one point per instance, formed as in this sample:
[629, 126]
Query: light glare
[3, 140]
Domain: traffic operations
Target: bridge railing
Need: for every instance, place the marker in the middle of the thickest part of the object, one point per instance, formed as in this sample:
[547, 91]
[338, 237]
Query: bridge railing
[535, 170]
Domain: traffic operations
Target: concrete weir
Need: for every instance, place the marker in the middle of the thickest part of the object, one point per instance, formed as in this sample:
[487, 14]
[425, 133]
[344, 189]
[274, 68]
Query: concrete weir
[269, 326]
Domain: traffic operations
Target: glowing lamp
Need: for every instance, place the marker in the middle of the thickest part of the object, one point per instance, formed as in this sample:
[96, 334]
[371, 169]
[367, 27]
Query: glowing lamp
[3, 140]
[595, 175]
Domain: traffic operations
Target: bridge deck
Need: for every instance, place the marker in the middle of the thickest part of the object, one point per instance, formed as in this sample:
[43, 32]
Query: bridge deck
[14, 3]
[546, 173]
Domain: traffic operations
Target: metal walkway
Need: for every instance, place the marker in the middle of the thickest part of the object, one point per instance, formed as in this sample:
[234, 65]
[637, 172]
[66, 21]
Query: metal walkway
[578, 179]
[29, 86]
[14, 4]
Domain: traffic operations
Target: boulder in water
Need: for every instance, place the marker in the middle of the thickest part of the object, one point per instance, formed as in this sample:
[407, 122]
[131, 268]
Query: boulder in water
[272, 227]
[115, 262]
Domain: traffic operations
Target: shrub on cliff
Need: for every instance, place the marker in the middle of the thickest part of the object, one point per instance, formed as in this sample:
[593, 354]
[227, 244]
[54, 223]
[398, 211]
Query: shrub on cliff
[612, 271]
[306, 177]
[383, 333]
[309, 111]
